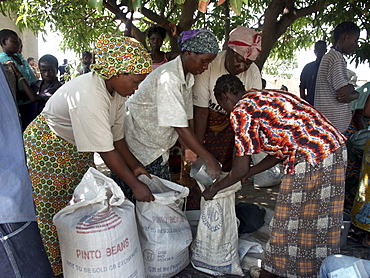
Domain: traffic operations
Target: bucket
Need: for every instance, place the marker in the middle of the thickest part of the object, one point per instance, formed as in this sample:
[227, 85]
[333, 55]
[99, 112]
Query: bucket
[347, 219]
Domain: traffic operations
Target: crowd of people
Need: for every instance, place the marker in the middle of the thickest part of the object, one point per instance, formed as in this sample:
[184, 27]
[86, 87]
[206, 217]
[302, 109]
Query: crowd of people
[132, 105]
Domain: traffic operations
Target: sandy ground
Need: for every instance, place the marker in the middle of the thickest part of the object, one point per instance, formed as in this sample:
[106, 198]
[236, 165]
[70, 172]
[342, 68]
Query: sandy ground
[265, 197]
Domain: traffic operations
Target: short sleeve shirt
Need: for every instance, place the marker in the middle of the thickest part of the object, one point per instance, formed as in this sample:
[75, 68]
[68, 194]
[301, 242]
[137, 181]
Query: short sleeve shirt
[85, 114]
[332, 75]
[25, 68]
[203, 94]
[163, 101]
[281, 124]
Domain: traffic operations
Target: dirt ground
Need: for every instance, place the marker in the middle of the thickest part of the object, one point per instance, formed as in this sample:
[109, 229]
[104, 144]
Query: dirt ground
[266, 197]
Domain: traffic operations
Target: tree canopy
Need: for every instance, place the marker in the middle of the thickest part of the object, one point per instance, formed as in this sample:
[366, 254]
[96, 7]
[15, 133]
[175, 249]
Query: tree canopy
[286, 25]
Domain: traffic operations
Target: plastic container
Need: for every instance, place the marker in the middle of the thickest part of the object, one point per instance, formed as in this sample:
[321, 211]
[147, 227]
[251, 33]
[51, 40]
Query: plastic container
[347, 220]
[199, 173]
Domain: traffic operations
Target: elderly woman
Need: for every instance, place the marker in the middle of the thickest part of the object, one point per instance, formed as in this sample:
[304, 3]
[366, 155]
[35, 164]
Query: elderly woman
[85, 116]
[309, 209]
[211, 122]
[158, 113]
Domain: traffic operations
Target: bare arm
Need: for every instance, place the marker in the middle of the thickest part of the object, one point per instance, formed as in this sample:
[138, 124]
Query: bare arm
[200, 125]
[31, 94]
[188, 137]
[347, 93]
[114, 160]
[241, 171]
[131, 161]
[200, 121]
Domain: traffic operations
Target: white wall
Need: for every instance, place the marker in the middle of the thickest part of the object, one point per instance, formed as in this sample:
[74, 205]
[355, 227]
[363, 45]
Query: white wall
[30, 41]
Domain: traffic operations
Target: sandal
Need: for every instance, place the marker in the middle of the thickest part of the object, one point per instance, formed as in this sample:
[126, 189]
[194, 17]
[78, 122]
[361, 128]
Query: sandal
[255, 271]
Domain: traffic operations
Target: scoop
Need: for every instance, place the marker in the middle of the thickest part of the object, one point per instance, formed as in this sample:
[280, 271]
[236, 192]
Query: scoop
[199, 173]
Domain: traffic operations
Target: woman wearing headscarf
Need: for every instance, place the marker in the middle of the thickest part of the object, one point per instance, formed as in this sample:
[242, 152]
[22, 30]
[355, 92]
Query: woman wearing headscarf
[308, 214]
[158, 113]
[85, 116]
[211, 122]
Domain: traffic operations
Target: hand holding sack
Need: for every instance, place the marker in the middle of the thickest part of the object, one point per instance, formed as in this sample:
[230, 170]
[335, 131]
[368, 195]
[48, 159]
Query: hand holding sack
[215, 248]
[164, 230]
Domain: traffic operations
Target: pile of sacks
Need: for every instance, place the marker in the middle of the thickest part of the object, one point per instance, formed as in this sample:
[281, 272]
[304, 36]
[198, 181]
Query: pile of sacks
[102, 234]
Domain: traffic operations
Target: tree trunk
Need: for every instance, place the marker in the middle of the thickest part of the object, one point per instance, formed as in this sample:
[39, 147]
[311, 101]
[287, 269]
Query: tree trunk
[273, 29]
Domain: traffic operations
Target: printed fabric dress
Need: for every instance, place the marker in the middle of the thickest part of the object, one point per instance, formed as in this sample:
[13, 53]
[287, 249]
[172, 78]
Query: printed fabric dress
[307, 221]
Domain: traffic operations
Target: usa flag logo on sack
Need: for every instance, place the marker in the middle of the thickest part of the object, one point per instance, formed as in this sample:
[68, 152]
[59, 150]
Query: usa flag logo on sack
[98, 222]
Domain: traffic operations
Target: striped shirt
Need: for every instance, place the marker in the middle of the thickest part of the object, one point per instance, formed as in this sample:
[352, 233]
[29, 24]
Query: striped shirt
[282, 124]
[332, 75]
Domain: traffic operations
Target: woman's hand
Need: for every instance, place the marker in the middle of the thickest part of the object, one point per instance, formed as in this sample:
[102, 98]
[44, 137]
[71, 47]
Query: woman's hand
[210, 192]
[213, 168]
[190, 156]
[142, 192]
[140, 170]
[14, 68]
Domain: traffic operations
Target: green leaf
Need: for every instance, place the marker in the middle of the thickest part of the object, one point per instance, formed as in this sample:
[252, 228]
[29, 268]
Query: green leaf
[136, 5]
[236, 5]
[96, 4]
[180, 2]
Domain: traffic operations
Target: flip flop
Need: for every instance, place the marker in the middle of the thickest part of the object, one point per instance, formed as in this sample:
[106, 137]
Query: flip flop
[255, 271]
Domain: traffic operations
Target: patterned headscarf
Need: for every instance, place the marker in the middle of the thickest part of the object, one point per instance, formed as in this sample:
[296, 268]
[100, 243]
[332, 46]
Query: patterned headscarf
[198, 40]
[245, 42]
[117, 55]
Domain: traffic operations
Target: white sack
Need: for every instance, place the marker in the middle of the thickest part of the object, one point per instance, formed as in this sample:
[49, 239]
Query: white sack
[98, 233]
[164, 231]
[269, 177]
[215, 248]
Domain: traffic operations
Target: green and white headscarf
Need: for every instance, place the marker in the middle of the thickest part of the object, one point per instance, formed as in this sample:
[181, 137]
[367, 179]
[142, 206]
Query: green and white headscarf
[117, 55]
[198, 40]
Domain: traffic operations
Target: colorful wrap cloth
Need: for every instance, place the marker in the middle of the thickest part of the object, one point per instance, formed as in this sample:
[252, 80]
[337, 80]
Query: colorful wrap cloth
[245, 42]
[56, 168]
[198, 40]
[308, 216]
[117, 55]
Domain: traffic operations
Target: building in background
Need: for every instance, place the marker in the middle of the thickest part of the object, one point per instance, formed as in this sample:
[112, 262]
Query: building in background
[29, 40]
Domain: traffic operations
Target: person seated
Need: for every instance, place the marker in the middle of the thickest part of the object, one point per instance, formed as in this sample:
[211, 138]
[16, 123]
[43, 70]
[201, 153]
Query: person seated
[335, 262]
[39, 91]
[86, 62]
[156, 36]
